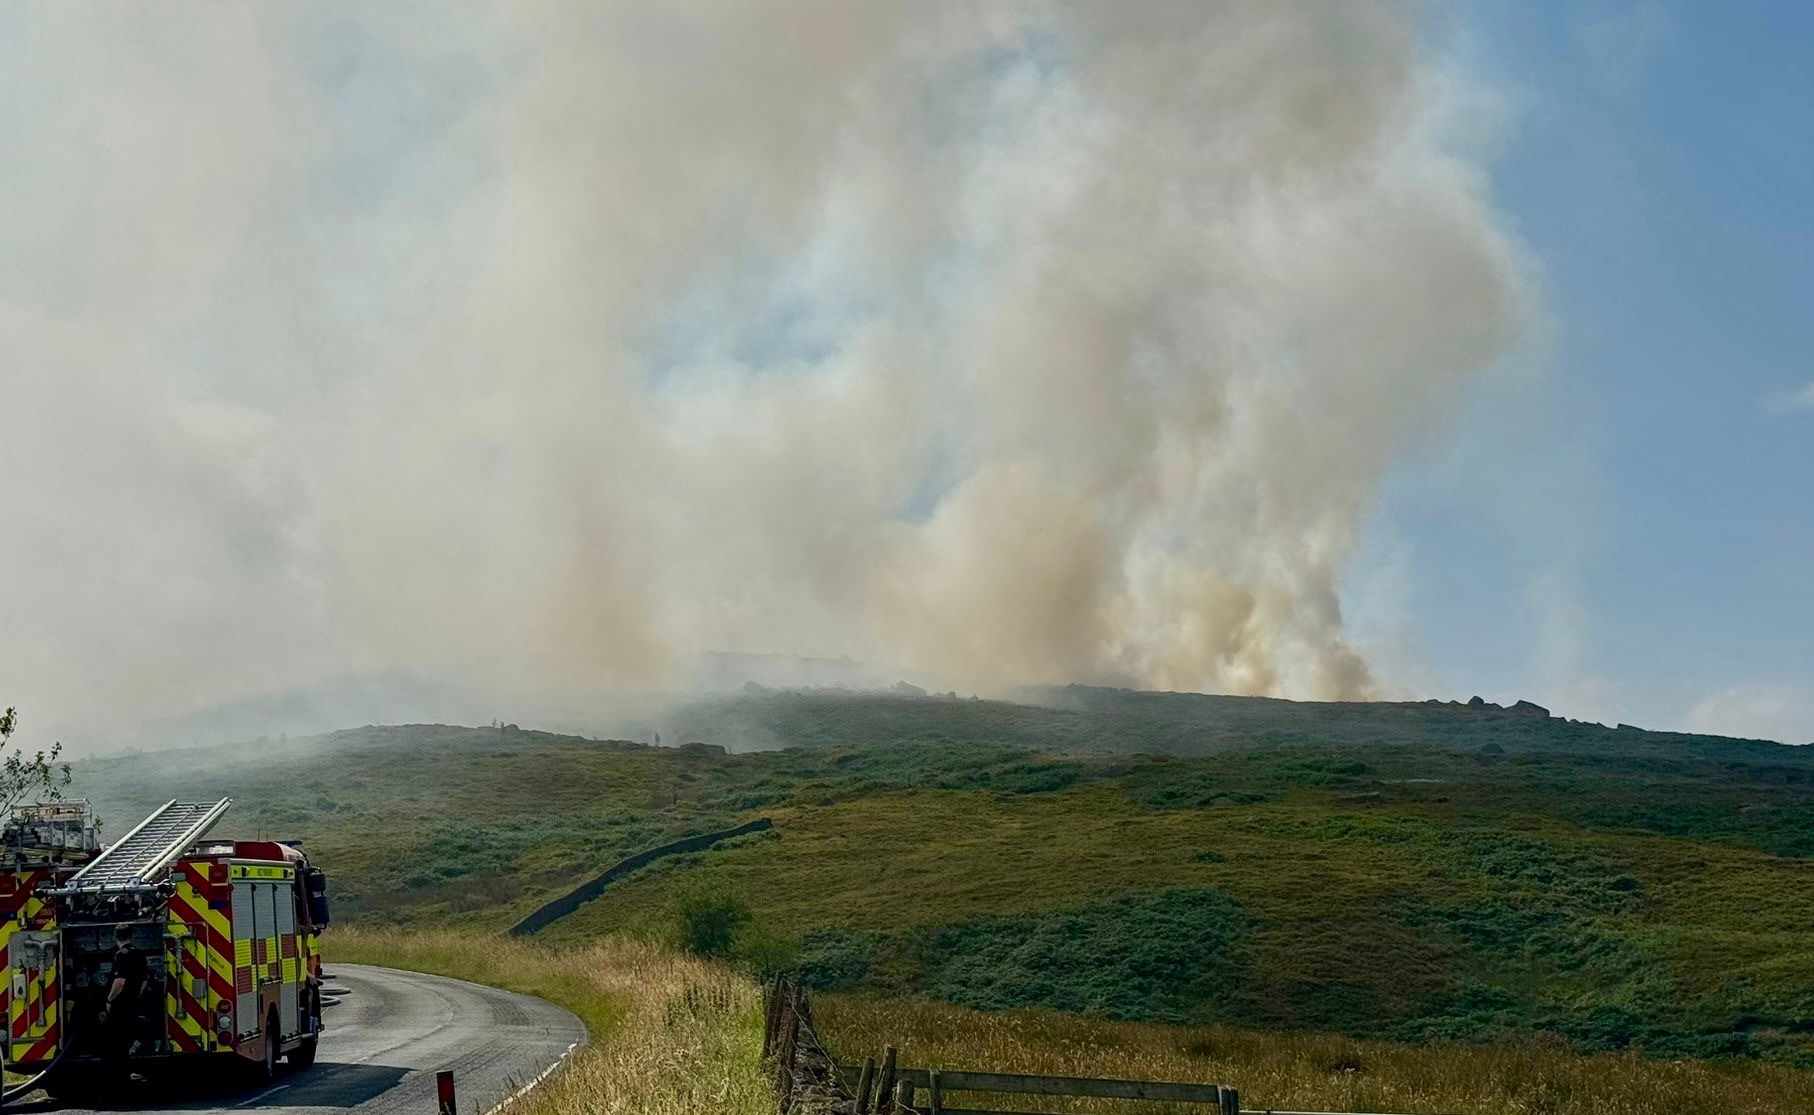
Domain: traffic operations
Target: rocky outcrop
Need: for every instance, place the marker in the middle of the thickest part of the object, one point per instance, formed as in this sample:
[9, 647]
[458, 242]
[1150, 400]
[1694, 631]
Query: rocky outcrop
[1481, 704]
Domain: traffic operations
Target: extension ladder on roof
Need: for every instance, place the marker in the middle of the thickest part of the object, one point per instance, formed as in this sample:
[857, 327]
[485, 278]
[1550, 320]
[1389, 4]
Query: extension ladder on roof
[141, 857]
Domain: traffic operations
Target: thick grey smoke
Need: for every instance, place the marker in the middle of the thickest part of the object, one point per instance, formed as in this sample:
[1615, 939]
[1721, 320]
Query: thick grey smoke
[554, 344]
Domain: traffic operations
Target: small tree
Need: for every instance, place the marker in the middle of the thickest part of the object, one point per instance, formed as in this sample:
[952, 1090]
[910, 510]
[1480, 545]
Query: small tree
[709, 917]
[37, 776]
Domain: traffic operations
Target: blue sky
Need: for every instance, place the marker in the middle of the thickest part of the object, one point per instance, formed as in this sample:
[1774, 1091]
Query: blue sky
[1623, 523]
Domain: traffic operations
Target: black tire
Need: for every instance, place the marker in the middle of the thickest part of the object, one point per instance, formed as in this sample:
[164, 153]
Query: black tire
[304, 1055]
[267, 1069]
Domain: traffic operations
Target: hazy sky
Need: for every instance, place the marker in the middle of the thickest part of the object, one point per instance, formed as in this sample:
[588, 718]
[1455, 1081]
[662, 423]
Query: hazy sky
[1324, 350]
[1625, 522]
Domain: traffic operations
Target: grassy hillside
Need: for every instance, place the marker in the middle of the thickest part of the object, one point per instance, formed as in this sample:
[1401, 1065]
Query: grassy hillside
[443, 824]
[1402, 922]
[1413, 872]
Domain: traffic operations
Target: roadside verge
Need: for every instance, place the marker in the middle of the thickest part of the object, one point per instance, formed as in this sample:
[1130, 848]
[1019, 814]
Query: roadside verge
[670, 1033]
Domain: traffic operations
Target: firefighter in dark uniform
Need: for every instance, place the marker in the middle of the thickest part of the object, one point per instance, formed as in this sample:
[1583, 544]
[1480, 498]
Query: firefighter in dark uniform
[120, 1014]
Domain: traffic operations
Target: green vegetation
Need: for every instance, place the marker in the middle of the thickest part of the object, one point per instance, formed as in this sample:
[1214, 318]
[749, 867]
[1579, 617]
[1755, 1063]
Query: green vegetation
[1413, 872]
[1163, 956]
[28, 776]
[1384, 922]
[710, 919]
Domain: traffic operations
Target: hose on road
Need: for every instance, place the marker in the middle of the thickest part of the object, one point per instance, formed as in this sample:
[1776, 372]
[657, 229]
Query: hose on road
[12, 1095]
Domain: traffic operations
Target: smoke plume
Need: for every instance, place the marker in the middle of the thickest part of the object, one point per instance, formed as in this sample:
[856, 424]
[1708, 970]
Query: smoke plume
[550, 345]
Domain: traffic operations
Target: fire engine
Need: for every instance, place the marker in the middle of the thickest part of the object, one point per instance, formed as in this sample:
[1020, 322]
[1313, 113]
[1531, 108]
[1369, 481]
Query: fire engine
[230, 931]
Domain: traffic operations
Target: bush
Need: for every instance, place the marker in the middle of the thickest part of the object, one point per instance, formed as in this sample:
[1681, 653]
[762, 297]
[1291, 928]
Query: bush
[709, 919]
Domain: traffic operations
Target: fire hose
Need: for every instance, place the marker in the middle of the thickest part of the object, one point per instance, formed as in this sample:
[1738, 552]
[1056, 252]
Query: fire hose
[11, 1095]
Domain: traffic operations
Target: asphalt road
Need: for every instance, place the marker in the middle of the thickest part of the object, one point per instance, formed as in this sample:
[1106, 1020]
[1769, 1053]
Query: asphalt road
[381, 1046]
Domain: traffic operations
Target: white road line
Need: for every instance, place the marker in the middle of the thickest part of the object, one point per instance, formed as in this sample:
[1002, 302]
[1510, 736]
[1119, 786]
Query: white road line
[261, 1095]
[543, 1075]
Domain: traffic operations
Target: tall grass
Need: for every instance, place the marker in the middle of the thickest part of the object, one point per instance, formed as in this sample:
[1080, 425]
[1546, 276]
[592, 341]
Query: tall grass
[1302, 1071]
[670, 1034]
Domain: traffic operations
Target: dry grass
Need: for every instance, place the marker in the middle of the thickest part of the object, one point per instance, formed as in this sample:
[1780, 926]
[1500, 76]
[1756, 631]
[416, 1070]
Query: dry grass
[1304, 1071]
[670, 1033]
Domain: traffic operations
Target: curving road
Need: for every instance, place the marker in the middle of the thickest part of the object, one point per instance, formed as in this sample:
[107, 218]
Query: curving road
[381, 1046]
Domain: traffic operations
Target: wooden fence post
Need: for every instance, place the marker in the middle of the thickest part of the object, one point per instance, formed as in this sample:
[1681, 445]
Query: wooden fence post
[888, 1089]
[864, 1080]
[787, 1040]
[885, 1082]
[770, 1017]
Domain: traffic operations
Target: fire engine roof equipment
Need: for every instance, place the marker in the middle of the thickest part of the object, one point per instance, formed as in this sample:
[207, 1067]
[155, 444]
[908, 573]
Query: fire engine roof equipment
[140, 858]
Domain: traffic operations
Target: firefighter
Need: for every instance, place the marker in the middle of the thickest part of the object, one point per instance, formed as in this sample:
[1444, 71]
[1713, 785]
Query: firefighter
[120, 1013]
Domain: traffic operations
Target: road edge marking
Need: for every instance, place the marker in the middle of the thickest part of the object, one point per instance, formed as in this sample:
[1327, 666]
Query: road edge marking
[263, 1094]
[527, 1088]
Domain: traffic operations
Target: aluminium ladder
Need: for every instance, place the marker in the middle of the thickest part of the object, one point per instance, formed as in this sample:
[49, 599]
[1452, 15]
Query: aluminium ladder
[140, 858]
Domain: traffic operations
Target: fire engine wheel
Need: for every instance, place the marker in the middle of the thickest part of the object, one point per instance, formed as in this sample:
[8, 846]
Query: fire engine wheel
[267, 1069]
[304, 1055]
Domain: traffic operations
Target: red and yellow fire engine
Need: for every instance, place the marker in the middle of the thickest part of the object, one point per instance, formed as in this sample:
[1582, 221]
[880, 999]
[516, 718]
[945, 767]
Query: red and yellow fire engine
[230, 932]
